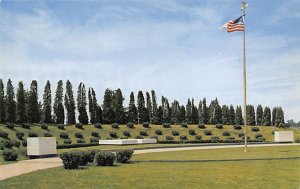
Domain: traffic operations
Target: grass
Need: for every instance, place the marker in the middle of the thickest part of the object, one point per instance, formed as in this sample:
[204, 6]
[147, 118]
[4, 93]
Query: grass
[278, 173]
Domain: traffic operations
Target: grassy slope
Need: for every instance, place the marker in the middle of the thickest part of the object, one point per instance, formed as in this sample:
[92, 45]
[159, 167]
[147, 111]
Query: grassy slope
[235, 174]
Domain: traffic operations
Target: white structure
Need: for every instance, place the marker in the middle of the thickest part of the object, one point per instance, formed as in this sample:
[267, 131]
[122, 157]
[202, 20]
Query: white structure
[147, 141]
[39, 146]
[284, 136]
[119, 141]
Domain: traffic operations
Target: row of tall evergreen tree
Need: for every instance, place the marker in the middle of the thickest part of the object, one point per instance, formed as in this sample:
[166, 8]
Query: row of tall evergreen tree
[25, 107]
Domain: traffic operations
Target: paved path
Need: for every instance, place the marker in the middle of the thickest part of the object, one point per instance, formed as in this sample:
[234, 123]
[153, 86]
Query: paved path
[27, 166]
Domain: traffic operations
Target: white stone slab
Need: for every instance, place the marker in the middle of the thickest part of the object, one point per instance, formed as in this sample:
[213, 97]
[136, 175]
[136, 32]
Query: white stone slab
[147, 141]
[119, 141]
[284, 136]
[38, 146]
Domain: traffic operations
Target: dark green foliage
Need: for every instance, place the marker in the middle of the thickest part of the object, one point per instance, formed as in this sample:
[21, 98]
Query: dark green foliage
[198, 137]
[130, 125]
[167, 125]
[139, 137]
[67, 141]
[126, 133]
[71, 160]
[98, 125]
[169, 138]
[95, 134]
[225, 115]
[94, 109]
[237, 127]
[81, 104]
[201, 126]
[192, 132]
[44, 126]
[10, 155]
[79, 125]
[61, 127]
[250, 115]
[141, 109]
[10, 103]
[194, 113]
[118, 107]
[182, 113]
[279, 120]
[200, 113]
[274, 110]
[25, 126]
[230, 138]
[239, 116]
[47, 134]
[21, 104]
[81, 141]
[148, 107]
[158, 132]
[64, 135]
[188, 112]
[254, 129]
[219, 126]
[241, 135]
[258, 135]
[207, 132]
[94, 140]
[267, 116]
[47, 117]
[2, 104]
[215, 112]
[155, 119]
[175, 133]
[143, 133]
[10, 125]
[115, 125]
[24, 143]
[70, 103]
[108, 112]
[113, 134]
[183, 137]
[175, 112]
[32, 134]
[78, 135]
[3, 134]
[33, 105]
[184, 125]
[132, 110]
[8, 144]
[20, 135]
[16, 143]
[146, 124]
[231, 115]
[259, 115]
[124, 156]
[205, 112]
[214, 138]
[105, 158]
[226, 133]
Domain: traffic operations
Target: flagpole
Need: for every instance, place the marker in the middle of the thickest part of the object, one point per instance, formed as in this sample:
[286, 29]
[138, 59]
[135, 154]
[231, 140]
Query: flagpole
[245, 80]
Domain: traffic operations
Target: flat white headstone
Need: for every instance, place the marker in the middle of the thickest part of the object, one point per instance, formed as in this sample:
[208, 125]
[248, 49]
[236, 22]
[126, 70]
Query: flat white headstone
[38, 146]
[284, 136]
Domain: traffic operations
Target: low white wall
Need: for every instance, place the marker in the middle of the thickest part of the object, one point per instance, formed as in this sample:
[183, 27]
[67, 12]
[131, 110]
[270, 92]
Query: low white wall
[147, 141]
[119, 141]
[284, 136]
[38, 146]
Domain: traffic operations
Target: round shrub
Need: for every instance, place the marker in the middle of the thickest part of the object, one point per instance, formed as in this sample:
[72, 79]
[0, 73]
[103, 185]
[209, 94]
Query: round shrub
[85, 157]
[175, 133]
[115, 125]
[254, 129]
[113, 134]
[10, 125]
[3, 134]
[237, 127]
[201, 126]
[258, 135]
[71, 160]
[67, 141]
[297, 140]
[146, 125]
[139, 137]
[198, 137]
[80, 141]
[44, 126]
[20, 135]
[24, 143]
[25, 126]
[192, 132]
[158, 132]
[10, 155]
[61, 127]
[230, 138]
[47, 134]
[143, 133]
[78, 135]
[219, 126]
[1, 145]
[126, 133]
[79, 125]
[64, 135]
[16, 143]
[214, 138]
[8, 144]
[105, 158]
[124, 156]
[169, 138]
[183, 137]
[98, 125]
[241, 135]
[95, 134]
[32, 134]
[130, 125]
[185, 125]
[94, 140]
[207, 132]
[226, 133]
[167, 125]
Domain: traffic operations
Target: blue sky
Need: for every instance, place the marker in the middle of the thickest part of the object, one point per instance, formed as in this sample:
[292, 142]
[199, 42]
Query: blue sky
[174, 47]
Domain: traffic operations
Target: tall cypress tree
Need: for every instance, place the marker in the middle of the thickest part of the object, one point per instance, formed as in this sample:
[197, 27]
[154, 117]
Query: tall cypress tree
[225, 115]
[194, 112]
[274, 113]
[215, 112]
[81, 104]
[58, 107]
[107, 110]
[132, 111]
[141, 109]
[250, 115]
[239, 116]
[231, 115]
[2, 103]
[97, 108]
[21, 106]
[149, 108]
[205, 112]
[11, 103]
[182, 114]
[33, 104]
[166, 118]
[91, 107]
[188, 112]
[175, 112]
[259, 115]
[70, 103]
[154, 108]
[267, 116]
[118, 107]
[200, 113]
[47, 117]
[279, 121]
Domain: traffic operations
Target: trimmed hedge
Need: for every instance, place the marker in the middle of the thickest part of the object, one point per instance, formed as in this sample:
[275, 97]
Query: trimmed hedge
[158, 132]
[8, 144]
[24, 143]
[32, 134]
[81, 141]
[113, 134]
[198, 137]
[237, 127]
[16, 143]
[226, 133]
[258, 135]
[219, 126]
[115, 126]
[104, 158]
[71, 160]
[175, 133]
[124, 156]
[10, 126]
[63, 146]
[44, 126]
[192, 132]
[3, 134]
[207, 132]
[95, 134]
[94, 140]
[201, 126]
[126, 133]
[79, 135]
[143, 133]
[167, 125]
[169, 138]
[183, 137]
[146, 125]
[254, 129]
[67, 141]
[130, 125]
[64, 135]
[139, 137]
[184, 125]
[20, 135]
[98, 125]
[61, 127]
[47, 134]
[25, 126]
[79, 125]
[10, 155]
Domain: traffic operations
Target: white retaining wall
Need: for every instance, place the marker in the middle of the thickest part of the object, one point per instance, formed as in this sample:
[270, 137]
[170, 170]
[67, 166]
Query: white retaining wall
[128, 141]
[284, 136]
[38, 146]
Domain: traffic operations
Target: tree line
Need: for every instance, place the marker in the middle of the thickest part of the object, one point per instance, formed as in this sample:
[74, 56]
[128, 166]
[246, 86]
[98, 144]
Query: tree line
[24, 107]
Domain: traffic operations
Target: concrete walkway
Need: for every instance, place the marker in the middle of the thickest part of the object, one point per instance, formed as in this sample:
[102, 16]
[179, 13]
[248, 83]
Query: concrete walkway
[27, 166]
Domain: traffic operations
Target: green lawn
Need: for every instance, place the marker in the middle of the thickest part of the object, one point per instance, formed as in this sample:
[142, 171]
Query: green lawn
[181, 169]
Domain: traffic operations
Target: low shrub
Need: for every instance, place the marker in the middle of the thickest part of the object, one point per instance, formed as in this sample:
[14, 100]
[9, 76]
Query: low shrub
[67, 141]
[3, 134]
[10, 125]
[297, 140]
[24, 143]
[201, 126]
[139, 137]
[115, 126]
[175, 133]
[71, 160]
[226, 133]
[146, 125]
[219, 126]
[76, 145]
[158, 132]
[104, 158]
[258, 135]
[94, 140]
[169, 138]
[47, 134]
[130, 125]
[8, 144]
[207, 132]
[44, 126]
[260, 139]
[254, 129]
[183, 137]
[198, 137]
[81, 141]
[16, 143]
[79, 125]
[98, 125]
[237, 127]
[25, 126]
[61, 127]
[192, 132]
[10, 155]
[32, 134]
[64, 135]
[124, 156]
[95, 134]
[167, 125]
[78, 135]
[113, 134]
[143, 133]
[126, 133]
[184, 125]
[1, 145]
[241, 135]
[20, 135]
[230, 138]
[214, 138]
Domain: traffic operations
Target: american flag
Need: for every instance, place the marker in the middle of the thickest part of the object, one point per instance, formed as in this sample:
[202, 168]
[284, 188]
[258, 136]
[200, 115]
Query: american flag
[234, 25]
